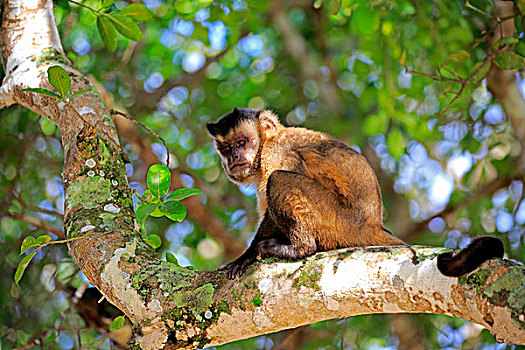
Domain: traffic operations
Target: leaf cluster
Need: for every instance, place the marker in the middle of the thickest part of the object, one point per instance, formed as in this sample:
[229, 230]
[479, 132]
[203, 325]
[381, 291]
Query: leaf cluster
[61, 81]
[156, 203]
[123, 21]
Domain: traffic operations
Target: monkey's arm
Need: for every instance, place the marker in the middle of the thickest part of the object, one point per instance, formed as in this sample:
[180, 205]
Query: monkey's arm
[266, 230]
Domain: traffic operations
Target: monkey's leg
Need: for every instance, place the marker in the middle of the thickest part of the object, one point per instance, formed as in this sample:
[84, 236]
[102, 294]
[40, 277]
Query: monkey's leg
[294, 203]
[266, 230]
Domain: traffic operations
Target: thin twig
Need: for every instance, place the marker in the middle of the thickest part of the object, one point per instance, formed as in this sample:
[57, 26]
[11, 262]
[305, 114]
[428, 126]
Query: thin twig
[89, 8]
[113, 111]
[38, 223]
[37, 340]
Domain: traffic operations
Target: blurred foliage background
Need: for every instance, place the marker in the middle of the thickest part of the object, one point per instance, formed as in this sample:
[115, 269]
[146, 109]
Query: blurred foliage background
[401, 81]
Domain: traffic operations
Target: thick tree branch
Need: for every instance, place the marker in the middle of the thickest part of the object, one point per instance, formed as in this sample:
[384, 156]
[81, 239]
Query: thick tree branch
[374, 280]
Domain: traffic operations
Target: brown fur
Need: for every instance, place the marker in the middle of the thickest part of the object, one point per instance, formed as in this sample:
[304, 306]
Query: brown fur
[314, 193]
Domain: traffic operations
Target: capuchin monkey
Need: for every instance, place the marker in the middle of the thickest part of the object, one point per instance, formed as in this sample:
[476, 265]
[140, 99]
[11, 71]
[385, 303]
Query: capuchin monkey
[314, 193]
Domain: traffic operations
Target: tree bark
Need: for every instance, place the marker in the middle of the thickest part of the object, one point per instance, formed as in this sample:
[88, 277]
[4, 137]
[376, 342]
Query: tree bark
[174, 307]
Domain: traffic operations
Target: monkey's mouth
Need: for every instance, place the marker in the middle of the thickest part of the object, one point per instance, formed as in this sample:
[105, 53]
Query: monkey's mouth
[239, 166]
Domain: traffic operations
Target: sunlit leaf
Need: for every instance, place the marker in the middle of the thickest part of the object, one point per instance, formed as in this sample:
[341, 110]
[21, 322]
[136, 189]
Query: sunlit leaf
[159, 180]
[117, 323]
[396, 143]
[174, 210]
[43, 239]
[22, 266]
[365, 21]
[28, 243]
[107, 32]
[375, 124]
[171, 258]
[182, 193]
[106, 3]
[59, 79]
[137, 12]
[126, 26]
[153, 241]
[335, 6]
[459, 56]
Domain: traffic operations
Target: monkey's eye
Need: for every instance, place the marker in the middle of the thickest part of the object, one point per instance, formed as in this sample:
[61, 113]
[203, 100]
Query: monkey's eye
[224, 149]
[241, 143]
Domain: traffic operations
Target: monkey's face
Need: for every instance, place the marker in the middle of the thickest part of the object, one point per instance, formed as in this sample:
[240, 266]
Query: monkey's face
[238, 151]
[239, 139]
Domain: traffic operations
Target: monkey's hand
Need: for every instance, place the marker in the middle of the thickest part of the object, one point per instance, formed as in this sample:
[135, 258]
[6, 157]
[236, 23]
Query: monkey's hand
[237, 267]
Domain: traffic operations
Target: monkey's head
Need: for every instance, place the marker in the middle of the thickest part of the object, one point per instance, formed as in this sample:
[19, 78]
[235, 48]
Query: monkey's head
[239, 138]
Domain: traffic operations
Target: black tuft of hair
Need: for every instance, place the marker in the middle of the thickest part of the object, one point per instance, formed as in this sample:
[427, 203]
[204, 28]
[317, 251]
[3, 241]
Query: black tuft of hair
[469, 258]
[231, 120]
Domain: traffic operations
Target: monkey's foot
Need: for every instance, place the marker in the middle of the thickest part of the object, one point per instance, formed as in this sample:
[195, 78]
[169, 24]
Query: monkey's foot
[236, 268]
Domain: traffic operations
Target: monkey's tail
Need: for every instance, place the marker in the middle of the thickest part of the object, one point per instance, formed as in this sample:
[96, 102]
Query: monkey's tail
[469, 258]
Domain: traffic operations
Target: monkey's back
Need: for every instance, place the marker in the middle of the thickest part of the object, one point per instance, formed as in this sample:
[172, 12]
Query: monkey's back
[329, 162]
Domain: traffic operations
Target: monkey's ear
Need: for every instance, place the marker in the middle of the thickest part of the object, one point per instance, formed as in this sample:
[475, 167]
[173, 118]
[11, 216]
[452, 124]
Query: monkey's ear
[212, 129]
[269, 123]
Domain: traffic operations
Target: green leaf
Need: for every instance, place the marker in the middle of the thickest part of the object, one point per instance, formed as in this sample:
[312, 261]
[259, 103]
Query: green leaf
[364, 21]
[375, 124]
[520, 47]
[406, 8]
[48, 127]
[117, 323]
[137, 12]
[171, 258]
[149, 197]
[28, 243]
[107, 32]
[458, 56]
[22, 266]
[396, 143]
[159, 180]
[335, 6]
[521, 6]
[59, 79]
[157, 213]
[173, 210]
[75, 94]
[484, 67]
[144, 210]
[43, 239]
[107, 3]
[154, 241]
[44, 92]
[510, 61]
[126, 26]
[182, 193]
